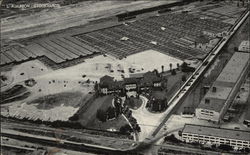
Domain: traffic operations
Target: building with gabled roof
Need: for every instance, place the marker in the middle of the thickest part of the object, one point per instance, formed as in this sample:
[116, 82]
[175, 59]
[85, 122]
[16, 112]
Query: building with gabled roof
[108, 85]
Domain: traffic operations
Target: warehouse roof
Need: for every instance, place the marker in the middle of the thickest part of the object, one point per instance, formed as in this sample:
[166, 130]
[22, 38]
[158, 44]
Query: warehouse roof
[234, 67]
[216, 99]
[217, 132]
[220, 93]
[214, 104]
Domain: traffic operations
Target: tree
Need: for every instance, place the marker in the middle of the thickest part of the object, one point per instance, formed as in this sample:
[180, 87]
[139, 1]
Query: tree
[184, 65]
[225, 147]
[186, 68]
[75, 117]
[101, 115]
[156, 72]
[137, 128]
[183, 78]
[126, 129]
[88, 81]
[96, 86]
[173, 72]
[170, 65]
[166, 102]
[155, 106]
[162, 68]
[171, 138]
[247, 150]
[111, 112]
[163, 106]
[178, 66]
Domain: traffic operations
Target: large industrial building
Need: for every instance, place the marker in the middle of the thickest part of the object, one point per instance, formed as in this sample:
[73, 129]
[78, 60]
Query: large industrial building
[219, 97]
[212, 135]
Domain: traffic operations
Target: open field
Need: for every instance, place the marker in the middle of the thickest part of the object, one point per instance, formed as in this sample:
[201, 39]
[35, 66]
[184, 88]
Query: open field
[47, 108]
[50, 20]
[113, 125]
[89, 114]
[49, 98]
[150, 60]
[133, 103]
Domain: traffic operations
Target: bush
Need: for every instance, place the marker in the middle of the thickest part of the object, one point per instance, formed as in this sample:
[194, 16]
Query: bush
[126, 129]
[111, 112]
[186, 68]
[172, 138]
[225, 147]
[75, 117]
[173, 72]
[101, 115]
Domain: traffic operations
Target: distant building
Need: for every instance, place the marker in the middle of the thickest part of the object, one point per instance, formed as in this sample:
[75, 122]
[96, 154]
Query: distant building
[150, 79]
[223, 91]
[238, 139]
[131, 83]
[107, 84]
[244, 46]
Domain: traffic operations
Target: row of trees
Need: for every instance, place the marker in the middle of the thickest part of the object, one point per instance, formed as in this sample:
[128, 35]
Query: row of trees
[171, 67]
[114, 112]
[157, 104]
[110, 113]
[132, 120]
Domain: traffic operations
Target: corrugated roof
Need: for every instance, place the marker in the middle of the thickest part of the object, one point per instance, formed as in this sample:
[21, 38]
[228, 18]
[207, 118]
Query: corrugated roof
[234, 67]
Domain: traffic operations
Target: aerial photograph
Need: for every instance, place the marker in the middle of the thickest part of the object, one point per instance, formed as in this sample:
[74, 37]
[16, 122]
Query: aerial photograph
[125, 77]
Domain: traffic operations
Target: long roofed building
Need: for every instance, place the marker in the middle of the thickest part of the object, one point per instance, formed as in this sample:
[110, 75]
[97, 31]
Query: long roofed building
[219, 97]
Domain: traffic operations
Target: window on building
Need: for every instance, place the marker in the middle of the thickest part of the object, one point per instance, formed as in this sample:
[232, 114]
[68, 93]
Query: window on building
[207, 101]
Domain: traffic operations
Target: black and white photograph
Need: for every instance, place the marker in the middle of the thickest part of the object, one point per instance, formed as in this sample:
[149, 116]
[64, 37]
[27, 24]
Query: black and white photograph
[125, 77]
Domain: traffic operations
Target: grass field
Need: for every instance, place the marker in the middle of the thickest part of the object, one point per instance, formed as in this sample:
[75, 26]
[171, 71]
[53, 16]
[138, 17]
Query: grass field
[59, 106]
[114, 124]
[89, 115]
[151, 59]
[174, 83]
[88, 118]
[134, 104]
[61, 99]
